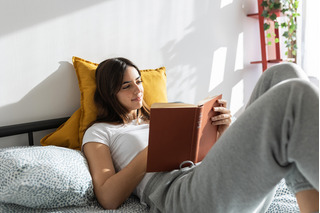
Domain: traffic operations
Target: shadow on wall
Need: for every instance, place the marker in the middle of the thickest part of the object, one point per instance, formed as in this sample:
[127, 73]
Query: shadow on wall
[43, 10]
[191, 64]
[41, 102]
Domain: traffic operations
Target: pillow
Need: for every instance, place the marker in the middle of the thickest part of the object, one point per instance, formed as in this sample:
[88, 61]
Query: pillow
[154, 83]
[39, 177]
[67, 135]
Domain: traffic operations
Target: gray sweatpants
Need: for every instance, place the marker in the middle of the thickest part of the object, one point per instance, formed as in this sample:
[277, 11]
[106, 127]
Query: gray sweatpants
[276, 137]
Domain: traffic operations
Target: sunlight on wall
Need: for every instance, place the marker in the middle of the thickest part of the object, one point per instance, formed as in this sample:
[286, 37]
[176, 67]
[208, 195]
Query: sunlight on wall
[18, 46]
[28, 58]
[180, 78]
[239, 55]
[218, 67]
[225, 3]
[237, 99]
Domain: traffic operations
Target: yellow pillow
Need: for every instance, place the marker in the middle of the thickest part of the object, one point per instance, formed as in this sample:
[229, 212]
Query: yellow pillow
[154, 83]
[67, 135]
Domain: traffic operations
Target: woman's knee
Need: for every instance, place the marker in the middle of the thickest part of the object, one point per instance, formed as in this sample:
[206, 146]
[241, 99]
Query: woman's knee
[274, 75]
[286, 70]
[296, 90]
[298, 84]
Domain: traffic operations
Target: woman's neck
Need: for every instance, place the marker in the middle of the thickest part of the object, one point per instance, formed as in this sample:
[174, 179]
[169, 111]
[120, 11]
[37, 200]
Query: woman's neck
[136, 116]
[132, 115]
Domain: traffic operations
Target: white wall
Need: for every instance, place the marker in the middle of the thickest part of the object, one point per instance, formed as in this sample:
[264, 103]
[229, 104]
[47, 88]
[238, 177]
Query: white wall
[205, 45]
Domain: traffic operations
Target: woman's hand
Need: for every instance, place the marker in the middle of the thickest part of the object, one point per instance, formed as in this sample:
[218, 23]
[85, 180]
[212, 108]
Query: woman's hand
[223, 119]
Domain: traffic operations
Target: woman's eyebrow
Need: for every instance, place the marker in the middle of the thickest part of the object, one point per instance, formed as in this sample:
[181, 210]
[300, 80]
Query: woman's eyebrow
[126, 82]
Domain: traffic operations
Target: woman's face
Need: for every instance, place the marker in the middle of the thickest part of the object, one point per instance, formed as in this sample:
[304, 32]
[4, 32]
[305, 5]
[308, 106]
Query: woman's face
[131, 92]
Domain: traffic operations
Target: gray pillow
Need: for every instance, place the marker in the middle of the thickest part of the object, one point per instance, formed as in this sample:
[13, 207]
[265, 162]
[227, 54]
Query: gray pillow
[44, 177]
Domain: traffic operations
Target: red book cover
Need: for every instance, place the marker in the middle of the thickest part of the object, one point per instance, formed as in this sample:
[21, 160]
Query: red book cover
[180, 132]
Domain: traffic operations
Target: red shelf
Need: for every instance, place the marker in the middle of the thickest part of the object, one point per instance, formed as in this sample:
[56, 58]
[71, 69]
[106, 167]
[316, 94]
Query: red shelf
[253, 15]
[269, 61]
[269, 54]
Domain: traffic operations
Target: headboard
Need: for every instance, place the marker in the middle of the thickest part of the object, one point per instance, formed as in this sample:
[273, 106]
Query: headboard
[31, 127]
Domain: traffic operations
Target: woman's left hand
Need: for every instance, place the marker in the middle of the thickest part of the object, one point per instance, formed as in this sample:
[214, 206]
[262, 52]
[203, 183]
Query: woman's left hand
[223, 119]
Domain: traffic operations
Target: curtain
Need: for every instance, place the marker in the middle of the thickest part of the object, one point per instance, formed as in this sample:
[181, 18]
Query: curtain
[309, 48]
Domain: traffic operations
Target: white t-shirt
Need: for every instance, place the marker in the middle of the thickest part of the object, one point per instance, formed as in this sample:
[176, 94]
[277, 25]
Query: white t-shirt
[124, 141]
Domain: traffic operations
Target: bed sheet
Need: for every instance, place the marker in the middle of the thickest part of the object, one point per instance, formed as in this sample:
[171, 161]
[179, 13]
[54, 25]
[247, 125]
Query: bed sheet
[41, 166]
[283, 202]
[131, 205]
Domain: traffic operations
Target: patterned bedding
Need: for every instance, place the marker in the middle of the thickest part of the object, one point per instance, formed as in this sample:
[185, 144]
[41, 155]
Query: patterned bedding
[56, 179]
[131, 205]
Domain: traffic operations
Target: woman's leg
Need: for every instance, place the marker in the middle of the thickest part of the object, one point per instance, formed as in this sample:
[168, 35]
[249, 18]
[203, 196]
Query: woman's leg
[274, 75]
[299, 186]
[278, 131]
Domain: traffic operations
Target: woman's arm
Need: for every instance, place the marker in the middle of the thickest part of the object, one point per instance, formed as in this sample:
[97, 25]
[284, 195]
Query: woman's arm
[111, 188]
[223, 120]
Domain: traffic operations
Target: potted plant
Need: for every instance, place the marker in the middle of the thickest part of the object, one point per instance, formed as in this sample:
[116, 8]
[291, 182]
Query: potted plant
[289, 9]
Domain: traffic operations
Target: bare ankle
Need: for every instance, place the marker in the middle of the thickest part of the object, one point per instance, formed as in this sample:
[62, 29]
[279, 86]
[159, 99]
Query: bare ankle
[308, 201]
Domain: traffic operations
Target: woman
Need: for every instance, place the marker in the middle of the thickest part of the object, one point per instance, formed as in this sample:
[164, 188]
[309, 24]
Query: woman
[276, 137]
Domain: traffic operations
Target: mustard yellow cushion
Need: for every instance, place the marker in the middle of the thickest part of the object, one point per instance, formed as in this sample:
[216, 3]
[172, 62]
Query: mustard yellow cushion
[86, 78]
[67, 135]
[154, 83]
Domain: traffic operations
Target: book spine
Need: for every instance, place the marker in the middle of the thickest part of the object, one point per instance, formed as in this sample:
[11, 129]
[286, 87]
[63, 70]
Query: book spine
[196, 132]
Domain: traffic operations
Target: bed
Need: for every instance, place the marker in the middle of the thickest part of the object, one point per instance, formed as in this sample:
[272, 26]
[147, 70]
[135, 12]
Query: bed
[55, 177]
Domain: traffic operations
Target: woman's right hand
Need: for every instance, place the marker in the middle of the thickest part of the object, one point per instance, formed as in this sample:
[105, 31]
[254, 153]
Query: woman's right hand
[223, 119]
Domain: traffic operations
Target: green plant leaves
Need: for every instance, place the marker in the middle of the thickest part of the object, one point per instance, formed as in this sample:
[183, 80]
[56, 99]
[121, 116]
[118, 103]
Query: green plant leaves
[288, 9]
[264, 4]
[266, 26]
[265, 14]
[277, 5]
[285, 34]
[273, 17]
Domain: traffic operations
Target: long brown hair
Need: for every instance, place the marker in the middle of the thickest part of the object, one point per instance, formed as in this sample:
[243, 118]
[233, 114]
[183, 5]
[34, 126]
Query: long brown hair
[109, 77]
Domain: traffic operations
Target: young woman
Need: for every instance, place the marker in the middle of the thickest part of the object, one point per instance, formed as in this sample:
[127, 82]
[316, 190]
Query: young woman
[276, 137]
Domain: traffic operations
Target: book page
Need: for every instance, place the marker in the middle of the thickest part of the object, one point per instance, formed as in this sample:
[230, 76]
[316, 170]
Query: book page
[182, 105]
[172, 105]
[205, 100]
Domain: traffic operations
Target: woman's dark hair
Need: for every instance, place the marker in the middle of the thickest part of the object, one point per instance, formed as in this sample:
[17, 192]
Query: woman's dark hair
[109, 77]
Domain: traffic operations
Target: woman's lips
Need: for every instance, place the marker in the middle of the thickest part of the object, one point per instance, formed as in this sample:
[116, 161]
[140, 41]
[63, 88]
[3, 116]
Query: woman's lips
[137, 98]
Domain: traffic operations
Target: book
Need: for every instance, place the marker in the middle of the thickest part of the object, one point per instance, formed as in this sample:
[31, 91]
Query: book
[180, 132]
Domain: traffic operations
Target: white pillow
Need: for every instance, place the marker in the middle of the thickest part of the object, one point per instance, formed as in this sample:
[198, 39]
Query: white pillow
[44, 177]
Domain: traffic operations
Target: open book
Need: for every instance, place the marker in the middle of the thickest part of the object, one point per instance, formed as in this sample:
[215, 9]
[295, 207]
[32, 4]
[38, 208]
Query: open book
[180, 132]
